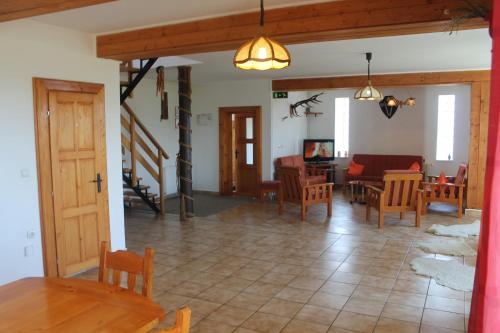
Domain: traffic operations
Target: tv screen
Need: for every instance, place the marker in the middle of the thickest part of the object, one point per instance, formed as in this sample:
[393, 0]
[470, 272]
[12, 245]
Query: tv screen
[319, 150]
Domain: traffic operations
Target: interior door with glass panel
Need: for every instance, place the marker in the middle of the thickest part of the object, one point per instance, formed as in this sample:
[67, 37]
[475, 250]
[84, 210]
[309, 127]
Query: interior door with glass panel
[247, 180]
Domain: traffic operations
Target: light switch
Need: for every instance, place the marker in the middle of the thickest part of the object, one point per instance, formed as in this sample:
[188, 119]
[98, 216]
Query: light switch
[25, 173]
[28, 251]
[30, 234]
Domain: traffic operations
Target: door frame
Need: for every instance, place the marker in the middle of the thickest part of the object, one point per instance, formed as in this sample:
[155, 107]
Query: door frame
[41, 88]
[225, 163]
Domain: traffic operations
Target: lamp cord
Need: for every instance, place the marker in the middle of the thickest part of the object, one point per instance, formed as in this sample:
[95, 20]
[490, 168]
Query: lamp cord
[261, 13]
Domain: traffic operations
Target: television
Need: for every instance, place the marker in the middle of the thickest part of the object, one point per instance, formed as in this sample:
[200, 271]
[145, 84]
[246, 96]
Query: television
[319, 150]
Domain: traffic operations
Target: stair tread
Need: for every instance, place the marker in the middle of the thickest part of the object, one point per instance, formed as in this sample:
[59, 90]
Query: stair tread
[138, 199]
[132, 193]
[124, 83]
[126, 170]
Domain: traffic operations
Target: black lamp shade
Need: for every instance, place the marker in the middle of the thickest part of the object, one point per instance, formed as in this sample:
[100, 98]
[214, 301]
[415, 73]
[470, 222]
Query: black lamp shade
[387, 106]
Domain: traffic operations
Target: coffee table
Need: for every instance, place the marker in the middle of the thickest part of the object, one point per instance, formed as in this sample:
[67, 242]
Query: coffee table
[358, 189]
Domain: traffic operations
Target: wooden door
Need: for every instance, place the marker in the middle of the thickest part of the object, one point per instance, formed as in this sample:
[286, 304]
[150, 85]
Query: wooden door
[245, 141]
[247, 181]
[79, 179]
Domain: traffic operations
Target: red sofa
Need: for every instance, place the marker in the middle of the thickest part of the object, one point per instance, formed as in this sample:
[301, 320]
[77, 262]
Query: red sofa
[375, 165]
[298, 161]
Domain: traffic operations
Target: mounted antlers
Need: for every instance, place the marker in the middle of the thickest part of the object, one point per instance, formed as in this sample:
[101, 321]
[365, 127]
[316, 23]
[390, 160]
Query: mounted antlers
[306, 103]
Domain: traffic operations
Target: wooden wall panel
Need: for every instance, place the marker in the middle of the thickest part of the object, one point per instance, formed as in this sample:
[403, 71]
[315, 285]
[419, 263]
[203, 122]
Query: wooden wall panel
[17, 9]
[383, 80]
[334, 20]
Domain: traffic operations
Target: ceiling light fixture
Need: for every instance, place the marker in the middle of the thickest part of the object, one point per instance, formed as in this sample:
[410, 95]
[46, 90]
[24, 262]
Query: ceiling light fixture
[261, 53]
[368, 93]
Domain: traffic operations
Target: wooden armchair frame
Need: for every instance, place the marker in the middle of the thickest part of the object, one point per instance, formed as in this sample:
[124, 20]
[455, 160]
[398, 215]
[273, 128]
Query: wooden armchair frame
[182, 322]
[129, 262]
[452, 192]
[399, 194]
[303, 193]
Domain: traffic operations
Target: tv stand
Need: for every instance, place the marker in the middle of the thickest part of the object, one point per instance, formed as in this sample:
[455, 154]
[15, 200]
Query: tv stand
[322, 168]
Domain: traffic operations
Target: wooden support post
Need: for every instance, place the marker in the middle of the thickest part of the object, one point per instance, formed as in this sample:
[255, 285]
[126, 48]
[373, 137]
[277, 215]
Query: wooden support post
[161, 181]
[133, 139]
[185, 148]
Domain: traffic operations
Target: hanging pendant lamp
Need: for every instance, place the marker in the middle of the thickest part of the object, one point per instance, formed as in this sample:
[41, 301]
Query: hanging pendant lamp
[261, 53]
[368, 93]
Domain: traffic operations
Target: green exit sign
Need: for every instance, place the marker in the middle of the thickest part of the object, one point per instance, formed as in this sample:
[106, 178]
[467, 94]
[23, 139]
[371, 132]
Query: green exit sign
[280, 94]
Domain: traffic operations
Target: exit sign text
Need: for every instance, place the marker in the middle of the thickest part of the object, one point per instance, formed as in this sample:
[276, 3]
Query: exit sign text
[280, 94]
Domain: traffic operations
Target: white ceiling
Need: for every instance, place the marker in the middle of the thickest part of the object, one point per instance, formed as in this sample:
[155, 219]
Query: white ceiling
[128, 14]
[465, 50]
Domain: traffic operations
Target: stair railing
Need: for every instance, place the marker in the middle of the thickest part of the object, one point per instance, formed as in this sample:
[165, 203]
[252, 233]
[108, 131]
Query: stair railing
[131, 126]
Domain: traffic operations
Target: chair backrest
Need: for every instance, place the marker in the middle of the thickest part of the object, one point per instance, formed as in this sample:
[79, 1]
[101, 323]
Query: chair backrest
[291, 161]
[182, 322]
[291, 183]
[462, 171]
[130, 263]
[375, 165]
[401, 187]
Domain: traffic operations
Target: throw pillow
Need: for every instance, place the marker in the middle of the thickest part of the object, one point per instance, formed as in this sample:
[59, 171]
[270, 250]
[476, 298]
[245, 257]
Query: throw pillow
[355, 169]
[414, 167]
[442, 178]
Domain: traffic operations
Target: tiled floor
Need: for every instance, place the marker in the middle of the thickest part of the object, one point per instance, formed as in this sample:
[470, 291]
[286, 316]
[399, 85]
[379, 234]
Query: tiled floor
[249, 270]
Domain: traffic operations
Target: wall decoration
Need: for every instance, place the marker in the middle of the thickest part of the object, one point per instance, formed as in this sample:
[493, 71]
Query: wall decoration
[160, 91]
[307, 104]
[471, 9]
[204, 119]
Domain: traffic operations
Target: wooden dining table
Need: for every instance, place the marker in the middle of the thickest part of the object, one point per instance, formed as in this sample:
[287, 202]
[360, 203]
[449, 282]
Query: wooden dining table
[74, 305]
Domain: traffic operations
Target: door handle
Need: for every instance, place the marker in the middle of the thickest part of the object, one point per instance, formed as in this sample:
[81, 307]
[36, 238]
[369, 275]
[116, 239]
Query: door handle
[236, 153]
[98, 180]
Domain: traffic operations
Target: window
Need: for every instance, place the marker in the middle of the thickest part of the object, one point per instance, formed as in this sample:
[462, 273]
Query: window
[445, 127]
[342, 126]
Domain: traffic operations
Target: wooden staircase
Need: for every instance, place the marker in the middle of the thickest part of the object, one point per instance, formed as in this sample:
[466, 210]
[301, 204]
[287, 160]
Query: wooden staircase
[144, 149]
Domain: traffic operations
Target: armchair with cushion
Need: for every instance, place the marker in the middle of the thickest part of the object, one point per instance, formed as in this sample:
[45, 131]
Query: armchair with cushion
[298, 190]
[451, 192]
[309, 174]
[399, 193]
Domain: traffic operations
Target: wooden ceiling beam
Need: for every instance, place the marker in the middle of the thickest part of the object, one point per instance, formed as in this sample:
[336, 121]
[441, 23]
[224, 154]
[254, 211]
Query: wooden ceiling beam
[336, 20]
[383, 80]
[17, 9]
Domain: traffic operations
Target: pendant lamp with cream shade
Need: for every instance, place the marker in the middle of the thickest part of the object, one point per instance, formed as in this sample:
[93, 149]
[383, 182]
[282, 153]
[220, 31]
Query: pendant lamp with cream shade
[261, 53]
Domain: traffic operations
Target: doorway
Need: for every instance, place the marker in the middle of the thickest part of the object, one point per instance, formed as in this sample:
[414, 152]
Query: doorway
[72, 176]
[240, 150]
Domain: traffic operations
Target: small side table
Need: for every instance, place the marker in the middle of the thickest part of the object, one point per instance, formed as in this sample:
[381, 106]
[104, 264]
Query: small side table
[358, 189]
[272, 186]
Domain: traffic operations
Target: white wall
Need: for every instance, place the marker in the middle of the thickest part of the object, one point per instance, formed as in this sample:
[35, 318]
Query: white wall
[206, 99]
[411, 131]
[288, 134]
[30, 49]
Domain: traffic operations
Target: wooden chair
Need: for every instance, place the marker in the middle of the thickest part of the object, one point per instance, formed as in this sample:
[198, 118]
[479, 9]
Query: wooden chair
[129, 262]
[296, 191]
[182, 322]
[452, 192]
[399, 194]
